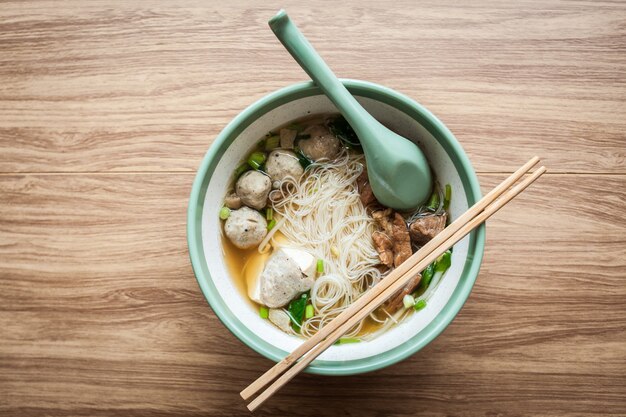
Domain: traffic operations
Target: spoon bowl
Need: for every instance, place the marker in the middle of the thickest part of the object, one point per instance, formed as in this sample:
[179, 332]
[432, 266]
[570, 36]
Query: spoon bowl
[397, 169]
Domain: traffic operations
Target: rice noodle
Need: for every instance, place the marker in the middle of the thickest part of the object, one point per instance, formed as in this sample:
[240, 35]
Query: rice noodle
[322, 213]
[263, 246]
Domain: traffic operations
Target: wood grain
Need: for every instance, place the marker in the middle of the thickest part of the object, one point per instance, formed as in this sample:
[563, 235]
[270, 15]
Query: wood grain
[106, 109]
[112, 86]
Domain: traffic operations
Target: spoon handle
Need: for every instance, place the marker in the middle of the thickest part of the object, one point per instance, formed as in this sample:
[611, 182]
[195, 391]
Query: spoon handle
[308, 58]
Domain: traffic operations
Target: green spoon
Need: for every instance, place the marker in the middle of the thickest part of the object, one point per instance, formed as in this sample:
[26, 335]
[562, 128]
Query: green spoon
[397, 169]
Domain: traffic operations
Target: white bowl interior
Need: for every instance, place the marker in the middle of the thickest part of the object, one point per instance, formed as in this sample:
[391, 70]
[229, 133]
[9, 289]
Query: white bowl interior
[445, 173]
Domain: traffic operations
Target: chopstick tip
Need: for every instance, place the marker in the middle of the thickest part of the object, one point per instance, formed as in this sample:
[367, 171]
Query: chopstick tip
[252, 406]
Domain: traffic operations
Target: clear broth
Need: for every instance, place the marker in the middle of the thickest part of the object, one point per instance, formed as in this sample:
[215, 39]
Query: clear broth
[243, 262]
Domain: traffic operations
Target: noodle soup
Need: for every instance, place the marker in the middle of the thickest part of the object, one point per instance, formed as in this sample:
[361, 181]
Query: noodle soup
[305, 236]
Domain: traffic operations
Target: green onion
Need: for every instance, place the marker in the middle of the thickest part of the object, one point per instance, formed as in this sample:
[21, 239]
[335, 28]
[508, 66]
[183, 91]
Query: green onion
[241, 169]
[320, 266]
[308, 311]
[256, 159]
[427, 275]
[272, 143]
[434, 271]
[271, 225]
[264, 312]
[269, 214]
[295, 126]
[420, 304]
[448, 195]
[224, 213]
[346, 340]
[433, 203]
[443, 262]
[408, 301]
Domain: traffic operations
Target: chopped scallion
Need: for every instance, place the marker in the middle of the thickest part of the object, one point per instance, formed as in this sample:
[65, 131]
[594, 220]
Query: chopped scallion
[224, 213]
[269, 214]
[295, 126]
[320, 266]
[309, 311]
[264, 312]
[448, 195]
[433, 203]
[271, 225]
[241, 169]
[443, 262]
[408, 301]
[272, 143]
[419, 305]
[346, 340]
[256, 159]
[427, 275]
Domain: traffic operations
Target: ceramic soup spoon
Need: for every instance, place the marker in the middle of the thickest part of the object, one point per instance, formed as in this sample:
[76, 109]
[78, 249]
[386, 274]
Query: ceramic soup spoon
[397, 169]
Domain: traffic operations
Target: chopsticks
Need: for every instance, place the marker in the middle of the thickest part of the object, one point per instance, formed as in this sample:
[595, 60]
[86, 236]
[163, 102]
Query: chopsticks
[314, 346]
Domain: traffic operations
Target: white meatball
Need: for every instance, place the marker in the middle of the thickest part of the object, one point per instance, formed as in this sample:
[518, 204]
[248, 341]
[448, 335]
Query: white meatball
[281, 164]
[253, 187]
[321, 145]
[282, 280]
[245, 227]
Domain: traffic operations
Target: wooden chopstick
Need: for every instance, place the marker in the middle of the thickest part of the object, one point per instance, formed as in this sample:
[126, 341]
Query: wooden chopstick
[392, 289]
[307, 345]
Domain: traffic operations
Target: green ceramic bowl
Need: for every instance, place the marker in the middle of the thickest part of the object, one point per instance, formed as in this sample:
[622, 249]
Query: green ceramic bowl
[407, 118]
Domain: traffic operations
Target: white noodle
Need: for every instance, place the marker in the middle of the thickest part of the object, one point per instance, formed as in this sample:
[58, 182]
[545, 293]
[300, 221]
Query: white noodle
[263, 246]
[323, 214]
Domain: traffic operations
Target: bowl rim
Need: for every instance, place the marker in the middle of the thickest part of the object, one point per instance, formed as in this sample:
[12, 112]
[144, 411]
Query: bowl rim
[364, 89]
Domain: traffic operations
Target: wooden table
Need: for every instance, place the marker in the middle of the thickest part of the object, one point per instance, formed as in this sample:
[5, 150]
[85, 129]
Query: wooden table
[107, 108]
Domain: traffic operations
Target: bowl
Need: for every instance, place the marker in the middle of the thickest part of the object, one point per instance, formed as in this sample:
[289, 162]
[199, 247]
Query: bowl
[240, 136]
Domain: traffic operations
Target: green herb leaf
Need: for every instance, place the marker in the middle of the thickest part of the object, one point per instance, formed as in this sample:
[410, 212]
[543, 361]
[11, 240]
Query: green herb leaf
[296, 311]
[264, 312]
[302, 158]
[342, 129]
